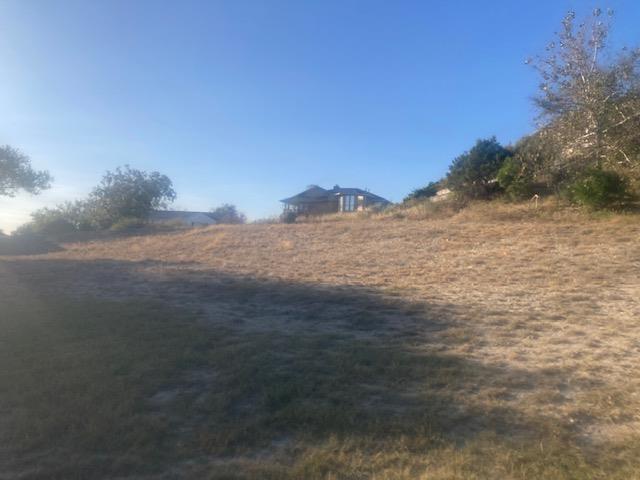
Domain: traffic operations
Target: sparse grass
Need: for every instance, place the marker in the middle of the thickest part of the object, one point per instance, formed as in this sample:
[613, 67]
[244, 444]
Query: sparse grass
[497, 346]
[74, 380]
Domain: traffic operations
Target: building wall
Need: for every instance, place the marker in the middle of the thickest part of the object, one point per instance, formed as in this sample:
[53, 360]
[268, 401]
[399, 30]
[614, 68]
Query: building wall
[333, 205]
[318, 208]
[361, 203]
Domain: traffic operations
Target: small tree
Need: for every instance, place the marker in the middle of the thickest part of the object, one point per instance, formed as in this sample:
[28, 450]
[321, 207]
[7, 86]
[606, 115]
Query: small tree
[17, 174]
[227, 213]
[430, 190]
[128, 193]
[512, 179]
[473, 174]
[526, 172]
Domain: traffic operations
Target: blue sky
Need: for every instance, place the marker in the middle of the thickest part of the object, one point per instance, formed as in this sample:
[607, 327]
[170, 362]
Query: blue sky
[248, 102]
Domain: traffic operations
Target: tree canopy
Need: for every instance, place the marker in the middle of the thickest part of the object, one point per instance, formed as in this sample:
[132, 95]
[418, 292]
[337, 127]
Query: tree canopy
[16, 173]
[473, 173]
[129, 193]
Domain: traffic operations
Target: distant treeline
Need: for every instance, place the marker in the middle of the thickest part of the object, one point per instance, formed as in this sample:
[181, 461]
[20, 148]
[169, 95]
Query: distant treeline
[123, 200]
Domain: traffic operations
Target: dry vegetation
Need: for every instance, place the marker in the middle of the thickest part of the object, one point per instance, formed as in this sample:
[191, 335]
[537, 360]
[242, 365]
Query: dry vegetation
[497, 342]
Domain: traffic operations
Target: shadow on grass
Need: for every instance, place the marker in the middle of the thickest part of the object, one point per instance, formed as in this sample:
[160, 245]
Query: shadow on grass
[37, 243]
[27, 245]
[257, 368]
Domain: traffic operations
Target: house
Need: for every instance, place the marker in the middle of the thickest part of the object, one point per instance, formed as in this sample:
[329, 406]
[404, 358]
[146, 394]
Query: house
[189, 219]
[316, 200]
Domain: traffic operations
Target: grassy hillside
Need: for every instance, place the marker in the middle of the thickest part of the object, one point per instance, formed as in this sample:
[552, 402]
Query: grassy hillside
[494, 343]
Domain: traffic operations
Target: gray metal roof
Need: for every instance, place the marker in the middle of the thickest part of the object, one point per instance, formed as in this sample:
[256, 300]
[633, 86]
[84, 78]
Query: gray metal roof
[311, 194]
[358, 191]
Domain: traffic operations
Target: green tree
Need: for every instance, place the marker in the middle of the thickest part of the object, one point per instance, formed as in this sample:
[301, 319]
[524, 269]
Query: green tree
[528, 170]
[227, 213]
[123, 195]
[128, 193]
[16, 173]
[473, 174]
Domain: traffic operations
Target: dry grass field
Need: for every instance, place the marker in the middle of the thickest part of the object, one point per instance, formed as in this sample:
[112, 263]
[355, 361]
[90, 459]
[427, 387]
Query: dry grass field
[496, 343]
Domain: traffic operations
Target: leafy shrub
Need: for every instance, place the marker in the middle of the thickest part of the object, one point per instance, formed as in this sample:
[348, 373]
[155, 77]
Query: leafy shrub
[430, 190]
[472, 174]
[601, 189]
[47, 222]
[227, 213]
[65, 218]
[57, 226]
[127, 224]
[514, 179]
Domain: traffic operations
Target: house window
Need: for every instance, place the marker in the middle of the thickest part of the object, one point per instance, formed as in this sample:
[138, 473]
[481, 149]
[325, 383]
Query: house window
[348, 203]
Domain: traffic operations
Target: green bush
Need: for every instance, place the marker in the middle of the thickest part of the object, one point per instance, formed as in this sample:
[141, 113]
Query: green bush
[600, 189]
[47, 225]
[57, 226]
[427, 191]
[227, 213]
[65, 218]
[127, 224]
[472, 175]
[513, 179]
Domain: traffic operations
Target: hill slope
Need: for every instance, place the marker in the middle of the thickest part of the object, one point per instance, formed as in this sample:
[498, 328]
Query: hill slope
[385, 348]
